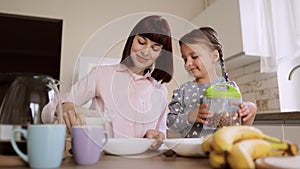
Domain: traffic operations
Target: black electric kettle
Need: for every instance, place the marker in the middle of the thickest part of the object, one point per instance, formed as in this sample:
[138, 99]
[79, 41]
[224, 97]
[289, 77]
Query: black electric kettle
[23, 103]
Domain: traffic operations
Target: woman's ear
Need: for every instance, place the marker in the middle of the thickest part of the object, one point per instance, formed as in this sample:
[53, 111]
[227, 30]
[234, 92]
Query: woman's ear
[216, 56]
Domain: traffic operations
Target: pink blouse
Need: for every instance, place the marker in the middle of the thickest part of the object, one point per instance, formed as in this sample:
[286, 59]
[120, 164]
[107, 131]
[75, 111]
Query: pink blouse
[139, 103]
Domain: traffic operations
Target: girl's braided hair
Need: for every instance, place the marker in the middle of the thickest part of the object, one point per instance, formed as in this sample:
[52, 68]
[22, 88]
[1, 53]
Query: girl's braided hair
[210, 37]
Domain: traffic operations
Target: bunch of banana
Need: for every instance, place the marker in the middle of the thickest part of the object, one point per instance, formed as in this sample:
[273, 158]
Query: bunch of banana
[218, 160]
[225, 137]
[243, 153]
[238, 147]
[207, 144]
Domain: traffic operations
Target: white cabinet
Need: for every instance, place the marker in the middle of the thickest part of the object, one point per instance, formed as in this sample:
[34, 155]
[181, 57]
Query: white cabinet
[238, 23]
[272, 130]
[284, 132]
[292, 134]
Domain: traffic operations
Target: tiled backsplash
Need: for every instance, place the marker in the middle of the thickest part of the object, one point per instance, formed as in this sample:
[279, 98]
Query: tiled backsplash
[260, 88]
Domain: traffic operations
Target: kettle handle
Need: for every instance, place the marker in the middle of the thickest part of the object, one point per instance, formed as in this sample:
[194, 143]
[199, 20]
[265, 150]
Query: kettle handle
[58, 110]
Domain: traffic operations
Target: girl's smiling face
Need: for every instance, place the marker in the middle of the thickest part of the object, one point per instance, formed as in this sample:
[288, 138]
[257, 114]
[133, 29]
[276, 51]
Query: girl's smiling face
[200, 61]
[143, 53]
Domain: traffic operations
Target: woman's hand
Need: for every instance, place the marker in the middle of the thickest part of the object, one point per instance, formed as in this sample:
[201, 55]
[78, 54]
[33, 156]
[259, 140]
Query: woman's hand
[157, 135]
[248, 112]
[200, 114]
[71, 117]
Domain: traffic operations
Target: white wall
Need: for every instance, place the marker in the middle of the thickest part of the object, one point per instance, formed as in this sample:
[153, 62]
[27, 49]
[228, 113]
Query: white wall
[81, 19]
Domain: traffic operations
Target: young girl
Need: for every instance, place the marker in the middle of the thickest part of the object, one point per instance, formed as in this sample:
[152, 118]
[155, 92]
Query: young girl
[202, 54]
[133, 89]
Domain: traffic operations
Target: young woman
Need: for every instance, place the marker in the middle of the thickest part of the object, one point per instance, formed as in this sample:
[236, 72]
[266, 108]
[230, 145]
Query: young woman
[202, 53]
[133, 89]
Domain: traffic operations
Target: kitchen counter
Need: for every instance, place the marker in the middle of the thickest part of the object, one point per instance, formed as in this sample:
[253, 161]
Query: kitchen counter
[155, 162]
[283, 125]
[159, 161]
[279, 118]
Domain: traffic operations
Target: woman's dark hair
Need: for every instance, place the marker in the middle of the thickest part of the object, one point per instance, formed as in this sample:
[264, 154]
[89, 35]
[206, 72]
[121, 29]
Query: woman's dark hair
[157, 29]
[208, 36]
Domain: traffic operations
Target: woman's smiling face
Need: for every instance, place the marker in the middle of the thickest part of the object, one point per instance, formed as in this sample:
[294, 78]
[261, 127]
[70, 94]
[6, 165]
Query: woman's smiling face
[143, 53]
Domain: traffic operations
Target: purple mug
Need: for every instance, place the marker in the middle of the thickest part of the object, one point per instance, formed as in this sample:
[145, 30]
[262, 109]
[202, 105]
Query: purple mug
[88, 143]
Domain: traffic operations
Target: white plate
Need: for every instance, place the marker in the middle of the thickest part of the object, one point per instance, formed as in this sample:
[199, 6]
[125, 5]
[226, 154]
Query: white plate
[190, 147]
[279, 162]
[127, 146]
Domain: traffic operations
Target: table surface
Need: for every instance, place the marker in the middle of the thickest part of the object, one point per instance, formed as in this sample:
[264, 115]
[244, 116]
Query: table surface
[144, 161]
[155, 162]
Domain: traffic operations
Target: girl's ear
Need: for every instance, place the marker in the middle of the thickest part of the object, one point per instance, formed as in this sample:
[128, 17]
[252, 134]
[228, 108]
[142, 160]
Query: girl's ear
[216, 56]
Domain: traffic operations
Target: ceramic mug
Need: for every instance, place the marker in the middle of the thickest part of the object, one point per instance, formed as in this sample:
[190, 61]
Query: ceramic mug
[88, 143]
[45, 145]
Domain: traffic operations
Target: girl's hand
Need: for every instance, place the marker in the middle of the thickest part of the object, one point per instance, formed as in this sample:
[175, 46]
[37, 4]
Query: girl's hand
[157, 135]
[200, 114]
[248, 112]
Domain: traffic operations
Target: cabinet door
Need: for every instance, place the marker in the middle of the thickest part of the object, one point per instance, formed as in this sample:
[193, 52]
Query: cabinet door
[239, 25]
[283, 132]
[292, 134]
[272, 130]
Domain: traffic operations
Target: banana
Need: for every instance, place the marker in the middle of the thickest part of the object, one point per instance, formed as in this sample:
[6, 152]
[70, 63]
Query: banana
[243, 153]
[292, 148]
[277, 153]
[207, 144]
[224, 138]
[217, 161]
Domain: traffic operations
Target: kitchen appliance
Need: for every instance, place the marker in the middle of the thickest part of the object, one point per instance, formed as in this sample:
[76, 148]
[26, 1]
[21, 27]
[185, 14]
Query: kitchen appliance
[24, 95]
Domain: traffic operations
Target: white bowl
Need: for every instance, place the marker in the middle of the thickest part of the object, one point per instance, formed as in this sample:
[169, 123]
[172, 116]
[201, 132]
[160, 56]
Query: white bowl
[127, 146]
[185, 146]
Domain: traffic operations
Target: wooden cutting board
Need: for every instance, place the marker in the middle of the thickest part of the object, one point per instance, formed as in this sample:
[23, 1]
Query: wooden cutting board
[276, 162]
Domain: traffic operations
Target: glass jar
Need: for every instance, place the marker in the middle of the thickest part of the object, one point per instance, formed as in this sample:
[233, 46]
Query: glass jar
[223, 100]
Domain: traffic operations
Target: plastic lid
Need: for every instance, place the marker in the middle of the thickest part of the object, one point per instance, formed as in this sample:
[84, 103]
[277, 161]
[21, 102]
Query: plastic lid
[222, 90]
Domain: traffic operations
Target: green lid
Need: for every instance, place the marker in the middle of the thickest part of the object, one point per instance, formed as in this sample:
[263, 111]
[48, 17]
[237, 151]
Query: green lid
[222, 90]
